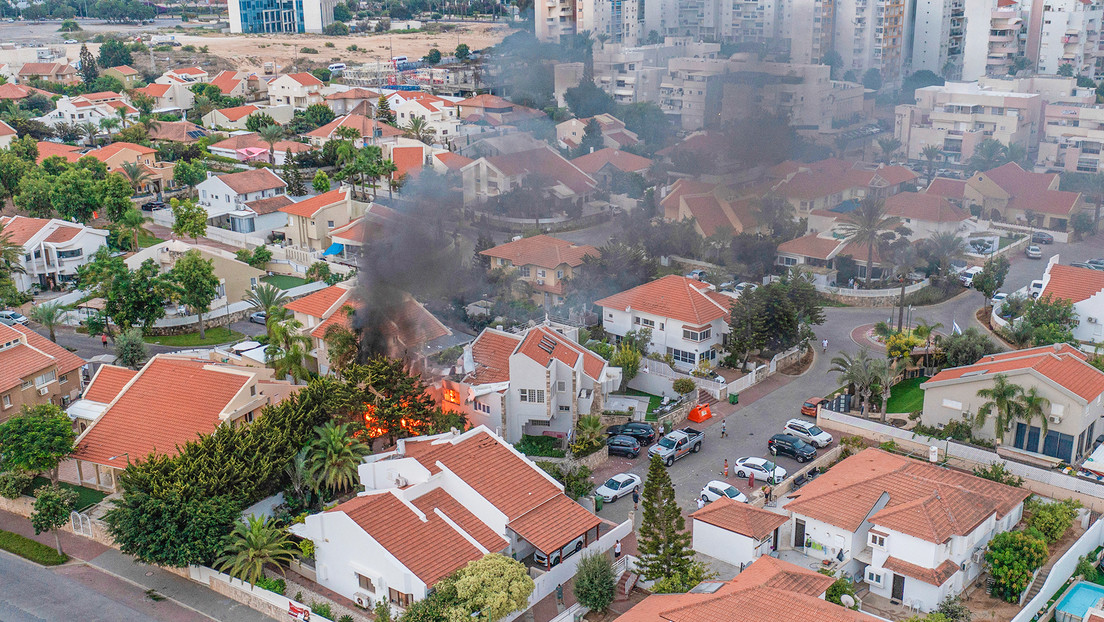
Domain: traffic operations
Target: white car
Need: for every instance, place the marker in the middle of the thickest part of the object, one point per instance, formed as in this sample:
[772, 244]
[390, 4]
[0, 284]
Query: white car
[763, 470]
[998, 298]
[572, 548]
[808, 432]
[70, 41]
[740, 288]
[1036, 288]
[618, 486]
[967, 276]
[716, 489]
[12, 317]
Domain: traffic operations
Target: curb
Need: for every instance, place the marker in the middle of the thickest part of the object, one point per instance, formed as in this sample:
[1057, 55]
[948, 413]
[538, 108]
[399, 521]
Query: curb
[147, 588]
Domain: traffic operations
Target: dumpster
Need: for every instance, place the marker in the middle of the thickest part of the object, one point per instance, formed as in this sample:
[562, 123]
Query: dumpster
[733, 398]
[597, 503]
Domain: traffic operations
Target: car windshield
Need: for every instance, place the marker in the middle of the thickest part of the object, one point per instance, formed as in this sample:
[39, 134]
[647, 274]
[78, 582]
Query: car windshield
[809, 404]
[800, 445]
[666, 442]
[767, 465]
[815, 430]
[613, 484]
[731, 492]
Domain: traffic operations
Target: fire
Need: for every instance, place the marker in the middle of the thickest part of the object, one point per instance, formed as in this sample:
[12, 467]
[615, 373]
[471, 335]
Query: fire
[452, 396]
[376, 429]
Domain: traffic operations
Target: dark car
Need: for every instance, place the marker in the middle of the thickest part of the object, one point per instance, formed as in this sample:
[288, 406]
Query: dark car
[622, 445]
[1041, 237]
[792, 446]
[153, 205]
[642, 432]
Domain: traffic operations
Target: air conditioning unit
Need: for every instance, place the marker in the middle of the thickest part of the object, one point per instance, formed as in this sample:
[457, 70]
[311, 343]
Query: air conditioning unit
[978, 556]
[43, 390]
[401, 481]
[540, 281]
[362, 600]
[1056, 418]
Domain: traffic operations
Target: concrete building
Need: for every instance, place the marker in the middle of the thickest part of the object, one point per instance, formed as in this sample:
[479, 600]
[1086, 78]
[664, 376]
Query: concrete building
[273, 16]
[1085, 290]
[546, 263]
[311, 221]
[228, 196]
[1009, 194]
[735, 532]
[35, 371]
[1063, 32]
[809, 28]
[298, 90]
[873, 34]
[938, 40]
[53, 250]
[171, 97]
[1072, 138]
[236, 278]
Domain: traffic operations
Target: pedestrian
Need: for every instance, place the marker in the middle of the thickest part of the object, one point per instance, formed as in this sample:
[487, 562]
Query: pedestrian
[617, 550]
[559, 594]
[824, 344]
[768, 493]
[726, 468]
[724, 431]
[103, 340]
[636, 499]
[701, 503]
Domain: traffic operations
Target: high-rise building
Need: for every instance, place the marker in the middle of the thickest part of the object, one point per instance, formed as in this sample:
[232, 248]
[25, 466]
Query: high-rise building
[937, 38]
[1063, 32]
[809, 27]
[555, 19]
[266, 16]
[871, 34]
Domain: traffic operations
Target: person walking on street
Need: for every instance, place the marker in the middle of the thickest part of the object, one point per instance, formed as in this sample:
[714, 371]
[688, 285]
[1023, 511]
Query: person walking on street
[726, 468]
[103, 340]
[701, 503]
[636, 499]
[559, 594]
[724, 431]
[824, 345]
[617, 550]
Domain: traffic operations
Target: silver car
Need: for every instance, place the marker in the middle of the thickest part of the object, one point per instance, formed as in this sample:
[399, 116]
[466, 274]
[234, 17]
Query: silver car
[12, 317]
[1033, 252]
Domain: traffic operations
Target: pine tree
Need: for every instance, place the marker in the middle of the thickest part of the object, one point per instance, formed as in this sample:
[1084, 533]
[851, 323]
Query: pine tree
[294, 177]
[384, 112]
[664, 542]
[88, 70]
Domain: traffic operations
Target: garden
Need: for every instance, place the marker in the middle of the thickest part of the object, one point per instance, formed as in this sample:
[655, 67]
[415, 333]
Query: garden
[284, 281]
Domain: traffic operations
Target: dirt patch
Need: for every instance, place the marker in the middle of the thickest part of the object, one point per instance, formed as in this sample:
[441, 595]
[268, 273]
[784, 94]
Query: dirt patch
[986, 320]
[800, 366]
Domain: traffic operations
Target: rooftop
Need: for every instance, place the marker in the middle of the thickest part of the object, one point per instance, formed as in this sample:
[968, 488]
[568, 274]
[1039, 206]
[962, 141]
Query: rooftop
[673, 296]
[737, 517]
[253, 180]
[1060, 363]
[307, 208]
[543, 251]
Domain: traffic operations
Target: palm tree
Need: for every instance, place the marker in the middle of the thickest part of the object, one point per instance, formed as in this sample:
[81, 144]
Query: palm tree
[11, 256]
[384, 169]
[137, 174]
[202, 105]
[931, 154]
[884, 373]
[905, 260]
[347, 133]
[1015, 152]
[264, 297]
[254, 544]
[1001, 402]
[121, 112]
[334, 457]
[49, 315]
[925, 331]
[271, 134]
[342, 344]
[988, 154]
[945, 247]
[589, 431]
[855, 370]
[419, 129]
[865, 225]
[90, 130]
[130, 223]
[1033, 406]
[287, 348]
[108, 124]
[12, 111]
[888, 147]
[299, 480]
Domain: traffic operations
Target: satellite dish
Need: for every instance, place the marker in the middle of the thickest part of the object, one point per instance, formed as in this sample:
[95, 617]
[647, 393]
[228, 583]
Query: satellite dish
[847, 600]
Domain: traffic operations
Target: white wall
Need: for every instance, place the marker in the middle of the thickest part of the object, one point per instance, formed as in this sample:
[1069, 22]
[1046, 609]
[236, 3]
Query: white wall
[727, 546]
[666, 332]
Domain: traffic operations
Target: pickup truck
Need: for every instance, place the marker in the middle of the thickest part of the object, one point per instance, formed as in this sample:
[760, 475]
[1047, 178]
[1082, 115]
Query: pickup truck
[677, 444]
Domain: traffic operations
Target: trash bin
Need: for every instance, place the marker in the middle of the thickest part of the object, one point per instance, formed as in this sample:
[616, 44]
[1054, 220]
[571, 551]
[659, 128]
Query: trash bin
[597, 503]
[733, 398]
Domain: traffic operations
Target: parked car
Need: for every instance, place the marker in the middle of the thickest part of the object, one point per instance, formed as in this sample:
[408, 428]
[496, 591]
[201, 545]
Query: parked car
[677, 444]
[618, 486]
[572, 548]
[260, 317]
[808, 432]
[967, 276]
[1042, 237]
[642, 432]
[716, 489]
[70, 41]
[998, 298]
[12, 317]
[809, 408]
[696, 274]
[740, 288]
[1036, 288]
[1088, 266]
[1033, 252]
[789, 445]
[622, 445]
[764, 470]
[153, 205]
[1096, 262]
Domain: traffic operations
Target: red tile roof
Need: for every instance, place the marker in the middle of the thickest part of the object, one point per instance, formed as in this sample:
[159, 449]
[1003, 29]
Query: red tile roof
[11, 90]
[931, 576]
[319, 304]
[238, 112]
[6, 130]
[737, 517]
[456, 512]
[63, 360]
[486, 100]
[307, 208]
[154, 90]
[366, 126]
[108, 383]
[269, 205]
[177, 131]
[254, 180]
[547, 163]
[64, 233]
[226, 81]
[672, 296]
[811, 245]
[623, 161]
[45, 69]
[543, 251]
[833, 176]
[20, 362]
[408, 161]
[947, 187]
[48, 149]
[20, 229]
[158, 412]
[925, 501]
[554, 523]
[453, 161]
[305, 79]
[1031, 191]
[925, 207]
[682, 187]
[354, 93]
[409, 325]
[1060, 363]
[1073, 284]
[108, 151]
[189, 71]
[491, 352]
[542, 344]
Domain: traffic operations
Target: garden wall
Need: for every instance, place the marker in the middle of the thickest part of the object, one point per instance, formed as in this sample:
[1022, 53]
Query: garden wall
[591, 461]
[871, 297]
[22, 506]
[1062, 570]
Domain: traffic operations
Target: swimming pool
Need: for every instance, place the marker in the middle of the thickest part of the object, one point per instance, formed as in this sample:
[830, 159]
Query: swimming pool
[1077, 601]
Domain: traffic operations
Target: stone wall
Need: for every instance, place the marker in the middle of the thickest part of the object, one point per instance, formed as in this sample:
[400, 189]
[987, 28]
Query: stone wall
[22, 506]
[217, 317]
[593, 461]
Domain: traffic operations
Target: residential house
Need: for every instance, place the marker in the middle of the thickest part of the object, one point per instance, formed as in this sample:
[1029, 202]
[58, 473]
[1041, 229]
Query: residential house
[348, 240]
[544, 262]
[536, 383]
[954, 190]
[357, 100]
[7, 135]
[53, 250]
[491, 177]
[310, 221]
[735, 532]
[688, 319]
[58, 73]
[1082, 287]
[235, 118]
[372, 132]
[89, 108]
[249, 86]
[298, 90]
[249, 147]
[570, 133]
[449, 163]
[1062, 376]
[499, 144]
[186, 75]
[713, 207]
[227, 197]
[608, 166]
[819, 254]
[129, 76]
[48, 149]
[921, 213]
[19, 92]
[156, 412]
[827, 183]
[436, 503]
[235, 278]
[116, 154]
[495, 111]
[177, 132]
[441, 114]
[1009, 194]
[35, 370]
[764, 591]
[916, 532]
[410, 157]
[174, 97]
[105, 384]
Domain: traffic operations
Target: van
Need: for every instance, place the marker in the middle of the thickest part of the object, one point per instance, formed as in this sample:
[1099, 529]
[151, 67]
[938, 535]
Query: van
[336, 67]
[967, 276]
[1036, 288]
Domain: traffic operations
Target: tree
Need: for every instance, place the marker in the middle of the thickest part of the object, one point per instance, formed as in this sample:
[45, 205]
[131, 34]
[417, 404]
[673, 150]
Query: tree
[888, 147]
[586, 99]
[198, 284]
[173, 528]
[254, 544]
[75, 194]
[872, 79]
[384, 112]
[991, 278]
[833, 59]
[265, 297]
[595, 582]
[189, 219]
[492, 587]
[334, 457]
[49, 315]
[1051, 320]
[287, 347]
[342, 346]
[130, 225]
[271, 134]
[52, 508]
[931, 154]
[114, 53]
[432, 57]
[116, 192]
[130, 349]
[592, 139]
[998, 472]
[87, 68]
[664, 544]
[12, 169]
[419, 129]
[342, 12]
[317, 271]
[1051, 520]
[1012, 558]
[683, 386]
[191, 173]
[856, 371]
[988, 154]
[884, 374]
[1001, 403]
[36, 440]
[965, 348]
[321, 182]
[462, 52]
[1066, 70]
[259, 120]
[628, 359]
[293, 176]
[865, 226]
[1031, 406]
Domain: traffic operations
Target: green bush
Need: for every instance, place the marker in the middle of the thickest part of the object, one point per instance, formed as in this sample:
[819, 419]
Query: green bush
[595, 582]
[272, 585]
[14, 483]
[323, 609]
[1012, 557]
[29, 549]
[575, 478]
[544, 446]
[997, 472]
[1051, 519]
[308, 51]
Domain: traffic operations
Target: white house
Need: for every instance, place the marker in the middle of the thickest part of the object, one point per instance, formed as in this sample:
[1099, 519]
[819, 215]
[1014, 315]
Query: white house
[227, 198]
[53, 249]
[439, 113]
[170, 96]
[434, 504]
[7, 135]
[1083, 287]
[923, 214]
[688, 319]
[735, 532]
[914, 531]
[91, 107]
[297, 90]
[537, 383]
[356, 100]
[187, 75]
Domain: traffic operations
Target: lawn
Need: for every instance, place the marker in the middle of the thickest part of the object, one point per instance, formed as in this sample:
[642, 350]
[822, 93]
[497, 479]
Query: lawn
[29, 549]
[653, 400]
[215, 336]
[86, 497]
[147, 239]
[906, 396]
[284, 281]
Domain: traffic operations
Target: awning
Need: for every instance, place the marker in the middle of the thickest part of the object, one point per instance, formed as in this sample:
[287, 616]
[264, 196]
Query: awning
[334, 249]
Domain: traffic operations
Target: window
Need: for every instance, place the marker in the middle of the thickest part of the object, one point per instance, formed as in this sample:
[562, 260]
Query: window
[873, 578]
[483, 408]
[541, 273]
[561, 386]
[692, 335]
[565, 409]
[366, 583]
[399, 598]
[64, 379]
[559, 274]
[27, 384]
[535, 396]
[46, 378]
[647, 322]
[681, 356]
[876, 540]
[524, 271]
[329, 223]
[540, 423]
[7, 401]
[253, 390]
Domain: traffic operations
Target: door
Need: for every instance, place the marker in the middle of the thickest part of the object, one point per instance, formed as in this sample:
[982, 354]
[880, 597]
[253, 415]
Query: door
[799, 534]
[898, 593]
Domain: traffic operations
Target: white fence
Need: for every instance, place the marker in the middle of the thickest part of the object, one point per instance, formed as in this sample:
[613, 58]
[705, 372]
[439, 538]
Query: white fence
[663, 370]
[233, 238]
[1059, 236]
[269, 603]
[874, 293]
[1062, 570]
